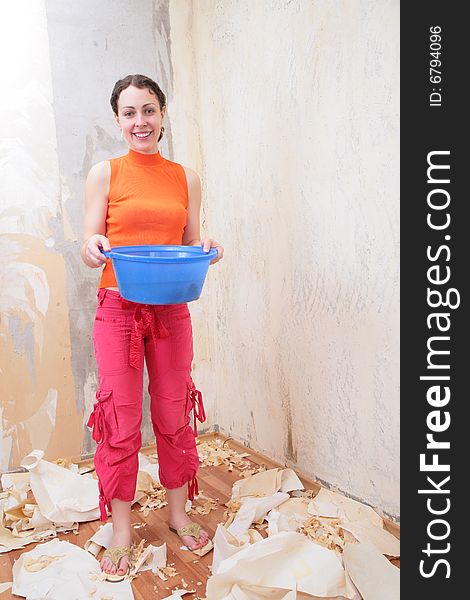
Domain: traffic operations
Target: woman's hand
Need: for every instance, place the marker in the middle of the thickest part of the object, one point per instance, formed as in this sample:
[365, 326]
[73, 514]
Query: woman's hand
[91, 250]
[208, 244]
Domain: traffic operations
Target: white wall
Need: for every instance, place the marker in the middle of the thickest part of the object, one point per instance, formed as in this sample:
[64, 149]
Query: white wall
[290, 112]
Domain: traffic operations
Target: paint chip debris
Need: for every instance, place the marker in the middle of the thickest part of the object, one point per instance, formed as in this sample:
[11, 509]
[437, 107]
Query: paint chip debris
[169, 571]
[213, 453]
[153, 498]
[326, 532]
[233, 506]
[33, 565]
[202, 505]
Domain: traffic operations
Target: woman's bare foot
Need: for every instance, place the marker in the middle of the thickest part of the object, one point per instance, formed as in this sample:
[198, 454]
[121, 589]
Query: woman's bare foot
[121, 514]
[107, 565]
[178, 518]
[181, 520]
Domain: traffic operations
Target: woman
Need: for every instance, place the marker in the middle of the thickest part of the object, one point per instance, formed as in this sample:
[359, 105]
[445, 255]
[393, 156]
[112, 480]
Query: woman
[142, 198]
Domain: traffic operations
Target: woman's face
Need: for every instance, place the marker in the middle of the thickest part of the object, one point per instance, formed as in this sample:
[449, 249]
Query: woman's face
[140, 118]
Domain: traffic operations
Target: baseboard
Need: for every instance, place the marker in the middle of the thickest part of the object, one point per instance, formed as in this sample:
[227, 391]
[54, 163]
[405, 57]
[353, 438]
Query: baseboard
[391, 525]
[259, 457]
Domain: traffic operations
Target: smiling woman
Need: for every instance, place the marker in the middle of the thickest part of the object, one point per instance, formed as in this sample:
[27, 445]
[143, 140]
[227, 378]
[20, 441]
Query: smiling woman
[139, 112]
[142, 198]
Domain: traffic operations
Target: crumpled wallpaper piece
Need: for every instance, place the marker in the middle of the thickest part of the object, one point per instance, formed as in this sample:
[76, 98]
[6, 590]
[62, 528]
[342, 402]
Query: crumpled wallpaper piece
[62, 496]
[267, 483]
[226, 544]
[254, 510]
[72, 574]
[288, 561]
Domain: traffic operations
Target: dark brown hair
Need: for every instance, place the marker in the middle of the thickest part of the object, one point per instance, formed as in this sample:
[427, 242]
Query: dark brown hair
[138, 81]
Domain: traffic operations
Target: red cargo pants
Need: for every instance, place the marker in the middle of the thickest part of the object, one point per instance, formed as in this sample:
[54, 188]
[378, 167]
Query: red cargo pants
[123, 334]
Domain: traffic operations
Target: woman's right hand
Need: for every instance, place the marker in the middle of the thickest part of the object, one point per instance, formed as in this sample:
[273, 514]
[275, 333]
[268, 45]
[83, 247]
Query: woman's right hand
[91, 251]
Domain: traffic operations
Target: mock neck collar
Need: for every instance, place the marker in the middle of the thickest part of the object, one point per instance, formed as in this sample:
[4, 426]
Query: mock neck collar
[145, 160]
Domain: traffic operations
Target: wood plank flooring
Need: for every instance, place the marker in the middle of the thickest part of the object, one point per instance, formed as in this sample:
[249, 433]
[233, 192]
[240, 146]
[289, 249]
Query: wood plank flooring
[214, 482]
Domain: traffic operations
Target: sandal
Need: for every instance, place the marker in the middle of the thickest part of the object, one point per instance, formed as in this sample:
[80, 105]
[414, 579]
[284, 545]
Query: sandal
[115, 555]
[193, 530]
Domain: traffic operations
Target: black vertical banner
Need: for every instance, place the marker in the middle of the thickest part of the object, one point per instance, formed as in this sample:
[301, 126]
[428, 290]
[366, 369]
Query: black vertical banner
[434, 291]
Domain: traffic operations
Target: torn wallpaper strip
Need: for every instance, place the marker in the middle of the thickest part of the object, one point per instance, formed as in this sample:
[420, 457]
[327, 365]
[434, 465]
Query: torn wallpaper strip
[9, 541]
[62, 496]
[226, 544]
[265, 483]
[148, 467]
[374, 576]
[350, 510]
[254, 510]
[380, 538]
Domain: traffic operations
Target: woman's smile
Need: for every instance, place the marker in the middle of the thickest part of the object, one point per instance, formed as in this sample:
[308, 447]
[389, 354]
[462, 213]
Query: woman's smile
[142, 135]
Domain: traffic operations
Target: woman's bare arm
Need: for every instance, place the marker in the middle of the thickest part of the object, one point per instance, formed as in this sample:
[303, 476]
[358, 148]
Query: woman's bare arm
[96, 208]
[192, 231]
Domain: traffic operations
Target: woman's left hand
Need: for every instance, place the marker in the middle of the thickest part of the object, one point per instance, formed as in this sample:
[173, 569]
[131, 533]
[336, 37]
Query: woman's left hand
[208, 244]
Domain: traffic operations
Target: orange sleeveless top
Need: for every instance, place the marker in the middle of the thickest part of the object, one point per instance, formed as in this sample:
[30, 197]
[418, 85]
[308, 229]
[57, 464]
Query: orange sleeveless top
[147, 204]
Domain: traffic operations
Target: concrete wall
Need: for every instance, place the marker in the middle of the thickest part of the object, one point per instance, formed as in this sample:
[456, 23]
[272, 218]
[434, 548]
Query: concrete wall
[289, 111]
[293, 125]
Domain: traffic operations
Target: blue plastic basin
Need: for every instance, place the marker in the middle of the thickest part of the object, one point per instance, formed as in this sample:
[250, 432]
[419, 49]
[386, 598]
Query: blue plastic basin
[160, 274]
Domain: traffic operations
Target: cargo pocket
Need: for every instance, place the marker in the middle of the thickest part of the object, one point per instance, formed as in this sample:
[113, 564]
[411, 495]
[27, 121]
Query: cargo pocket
[111, 340]
[105, 429]
[102, 421]
[181, 340]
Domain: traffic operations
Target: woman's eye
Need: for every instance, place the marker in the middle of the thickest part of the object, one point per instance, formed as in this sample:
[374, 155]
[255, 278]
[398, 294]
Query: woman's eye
[150, 110]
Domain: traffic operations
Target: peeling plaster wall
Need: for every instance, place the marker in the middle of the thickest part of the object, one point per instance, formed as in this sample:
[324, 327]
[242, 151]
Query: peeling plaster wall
[37, 403]
[293, 124]
[57, 123]
[93, 44]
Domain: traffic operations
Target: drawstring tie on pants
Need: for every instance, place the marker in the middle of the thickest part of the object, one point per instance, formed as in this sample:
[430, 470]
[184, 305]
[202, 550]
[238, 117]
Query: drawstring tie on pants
[97, 419]
[195, 400]
[99, 432]
[103, 503]
[146, 320]
[199, 414]
[193, 488]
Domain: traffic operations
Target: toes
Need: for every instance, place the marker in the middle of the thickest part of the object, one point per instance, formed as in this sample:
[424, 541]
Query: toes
[105, 566]
[202, 540]
[204, 537]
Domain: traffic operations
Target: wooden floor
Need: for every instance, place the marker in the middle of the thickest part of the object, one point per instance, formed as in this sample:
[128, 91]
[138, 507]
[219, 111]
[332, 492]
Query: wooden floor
[215, 482]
